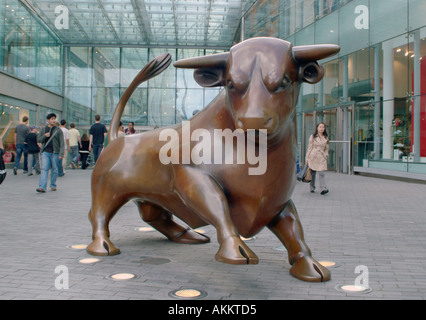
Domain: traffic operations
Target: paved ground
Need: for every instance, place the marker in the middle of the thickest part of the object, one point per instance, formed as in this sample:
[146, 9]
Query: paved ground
[376, 223]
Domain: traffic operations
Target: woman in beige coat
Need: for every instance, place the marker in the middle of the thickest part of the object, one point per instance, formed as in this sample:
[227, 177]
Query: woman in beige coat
[316, 156]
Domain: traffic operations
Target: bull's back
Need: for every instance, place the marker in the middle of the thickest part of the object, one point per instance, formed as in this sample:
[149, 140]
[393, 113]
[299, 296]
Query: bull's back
[132, 162]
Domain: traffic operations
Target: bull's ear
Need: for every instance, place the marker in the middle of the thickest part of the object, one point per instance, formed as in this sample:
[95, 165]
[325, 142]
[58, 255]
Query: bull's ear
[311, 73]
[209, 69]
[306, 57]
[209, 77]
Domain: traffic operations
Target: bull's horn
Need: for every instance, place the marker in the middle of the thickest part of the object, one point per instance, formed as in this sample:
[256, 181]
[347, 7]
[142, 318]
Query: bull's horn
[314, 52]
[210, 61]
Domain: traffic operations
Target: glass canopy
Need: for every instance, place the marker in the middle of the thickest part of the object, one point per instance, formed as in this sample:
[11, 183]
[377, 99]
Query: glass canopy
[198, 23]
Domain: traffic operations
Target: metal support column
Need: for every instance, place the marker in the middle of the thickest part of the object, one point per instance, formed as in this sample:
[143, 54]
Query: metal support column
[345, 125]
[417, 86]
[377, 51]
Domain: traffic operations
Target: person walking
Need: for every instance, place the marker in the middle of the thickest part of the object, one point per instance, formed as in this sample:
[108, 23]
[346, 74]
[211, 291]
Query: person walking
[316, 156]
[33, 151]
[63, 163]
[75, 142]
[84, 151]
[3, 172]
[21, 132]
[52, 150]
[98, 134]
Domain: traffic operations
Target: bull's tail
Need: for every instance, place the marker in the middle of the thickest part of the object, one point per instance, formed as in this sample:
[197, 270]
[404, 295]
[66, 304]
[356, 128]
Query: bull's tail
[152, 69]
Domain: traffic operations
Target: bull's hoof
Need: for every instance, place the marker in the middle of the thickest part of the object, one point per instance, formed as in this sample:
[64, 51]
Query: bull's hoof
[308, 269]
[234, 251]
[102, 247]
[190, 236]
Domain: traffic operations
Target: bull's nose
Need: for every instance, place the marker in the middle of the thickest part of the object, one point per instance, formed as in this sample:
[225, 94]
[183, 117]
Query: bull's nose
[257, 123]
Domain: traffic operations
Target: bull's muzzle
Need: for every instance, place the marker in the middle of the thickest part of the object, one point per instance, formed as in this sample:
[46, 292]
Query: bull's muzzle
[268, 123]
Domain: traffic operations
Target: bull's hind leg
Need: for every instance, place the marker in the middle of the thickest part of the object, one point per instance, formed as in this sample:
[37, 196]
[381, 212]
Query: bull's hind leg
[163, 222]
[104, 207]
[287, 227]
[204, 196]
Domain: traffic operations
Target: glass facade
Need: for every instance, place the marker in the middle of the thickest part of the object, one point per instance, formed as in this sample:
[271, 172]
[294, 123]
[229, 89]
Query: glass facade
[96, 77]
[372, 97]
[29, 50]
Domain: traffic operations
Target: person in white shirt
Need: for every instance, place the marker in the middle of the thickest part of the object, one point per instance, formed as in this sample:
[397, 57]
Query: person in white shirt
[75, 143]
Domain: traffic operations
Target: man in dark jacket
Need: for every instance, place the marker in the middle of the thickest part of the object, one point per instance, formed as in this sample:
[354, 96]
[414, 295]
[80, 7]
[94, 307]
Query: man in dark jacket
[21, 132]
[52, 149]
[33, 151]
[98, 133]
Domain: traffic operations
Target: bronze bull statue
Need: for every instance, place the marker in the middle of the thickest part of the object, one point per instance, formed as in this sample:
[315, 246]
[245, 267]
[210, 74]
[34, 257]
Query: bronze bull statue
[262, 78]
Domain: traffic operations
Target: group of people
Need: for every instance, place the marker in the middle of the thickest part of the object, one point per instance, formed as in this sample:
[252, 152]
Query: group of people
[47, 149]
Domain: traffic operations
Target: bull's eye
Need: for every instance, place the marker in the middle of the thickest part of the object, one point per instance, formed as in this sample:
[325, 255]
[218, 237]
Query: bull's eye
[284, 84]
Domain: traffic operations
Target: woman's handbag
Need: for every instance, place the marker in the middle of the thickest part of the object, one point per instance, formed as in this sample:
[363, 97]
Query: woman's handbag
[308, 176]
[305, 175]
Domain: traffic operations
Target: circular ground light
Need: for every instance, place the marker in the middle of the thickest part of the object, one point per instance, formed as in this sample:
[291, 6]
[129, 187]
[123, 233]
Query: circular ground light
[329, 264]
[187, 294]
[144, 229]
[353, 289]
[78, 246]
[122, 276]
[89, 260]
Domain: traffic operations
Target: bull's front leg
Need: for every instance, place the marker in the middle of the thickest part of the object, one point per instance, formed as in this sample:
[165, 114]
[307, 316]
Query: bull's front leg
[203, 195]
[287, 227]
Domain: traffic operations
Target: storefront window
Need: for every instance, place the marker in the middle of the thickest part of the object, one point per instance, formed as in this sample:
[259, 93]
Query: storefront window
[360, 78]
[364, 147]
[330, 83]
[10, 116]
[12, 113]
[416, 103]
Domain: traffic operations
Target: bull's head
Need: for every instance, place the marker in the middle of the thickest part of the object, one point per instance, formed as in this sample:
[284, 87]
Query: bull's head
[262, 77]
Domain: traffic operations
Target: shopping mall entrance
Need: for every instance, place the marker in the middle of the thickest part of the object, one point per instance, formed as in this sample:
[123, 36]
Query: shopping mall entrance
[339, 122]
